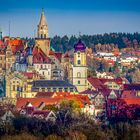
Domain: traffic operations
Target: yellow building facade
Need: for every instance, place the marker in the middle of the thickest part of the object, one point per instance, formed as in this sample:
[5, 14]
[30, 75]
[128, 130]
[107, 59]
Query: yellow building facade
[18, 85]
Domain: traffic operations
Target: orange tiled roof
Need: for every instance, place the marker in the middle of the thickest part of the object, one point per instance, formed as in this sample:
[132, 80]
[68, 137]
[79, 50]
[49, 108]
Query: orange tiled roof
[16, 45]
[130, 101]
[2, 46]
[21, 102]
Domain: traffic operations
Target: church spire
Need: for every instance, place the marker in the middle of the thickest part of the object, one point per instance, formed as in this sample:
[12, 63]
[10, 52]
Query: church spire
[42, 11]
[42, 19]
[42, 27]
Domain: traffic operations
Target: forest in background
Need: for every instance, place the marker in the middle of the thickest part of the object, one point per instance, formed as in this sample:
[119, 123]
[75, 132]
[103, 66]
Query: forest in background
[119, 40]
[100, 42]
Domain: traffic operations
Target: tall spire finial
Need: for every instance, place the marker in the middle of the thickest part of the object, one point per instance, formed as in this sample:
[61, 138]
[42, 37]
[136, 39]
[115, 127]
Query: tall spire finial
[42, 11]
[79, 35]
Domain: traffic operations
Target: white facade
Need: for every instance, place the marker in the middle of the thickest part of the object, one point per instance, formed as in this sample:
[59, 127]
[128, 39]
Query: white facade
[80, 77]
[44, 69]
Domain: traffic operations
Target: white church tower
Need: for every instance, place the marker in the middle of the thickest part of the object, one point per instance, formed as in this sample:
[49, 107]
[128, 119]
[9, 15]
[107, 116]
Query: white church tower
[79, 68]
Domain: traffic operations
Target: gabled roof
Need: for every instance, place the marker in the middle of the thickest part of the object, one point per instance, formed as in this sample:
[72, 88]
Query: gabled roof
[57, 55]
[128, 94]
[21, 102]
[2, 46]
[31, 75]
[96, 83]
[39, 56]
[66, 55]
[118, 81]
[16, 45]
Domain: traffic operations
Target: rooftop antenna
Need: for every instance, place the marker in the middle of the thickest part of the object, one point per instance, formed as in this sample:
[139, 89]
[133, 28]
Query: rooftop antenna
[34, 33]
[9, 28]
[0, 33]
[42, 10]
[79, 35]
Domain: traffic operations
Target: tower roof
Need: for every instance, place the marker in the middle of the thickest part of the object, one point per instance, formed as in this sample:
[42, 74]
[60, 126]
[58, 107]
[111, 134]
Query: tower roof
[80, 46]
[42, 19]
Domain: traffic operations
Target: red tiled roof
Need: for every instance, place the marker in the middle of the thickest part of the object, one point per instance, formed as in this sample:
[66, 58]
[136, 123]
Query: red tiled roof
[128, 94]
[130, 101]
[44, 94]
[96, 83]
[16, 45]
[58, 55]
[110, 62]
[39, 56]
[30, 75]
[52, 94]
[116, 53]
[117, 81]
[2, 46]
[51, 52]
[21, 102]
[66, 55]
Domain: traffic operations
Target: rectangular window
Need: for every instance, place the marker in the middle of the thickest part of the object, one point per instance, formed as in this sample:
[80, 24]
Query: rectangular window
[78, 82]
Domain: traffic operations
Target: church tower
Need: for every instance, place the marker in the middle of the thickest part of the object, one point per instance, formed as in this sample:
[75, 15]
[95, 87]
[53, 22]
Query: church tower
[43, 41]
[79, 70]
[42, 31]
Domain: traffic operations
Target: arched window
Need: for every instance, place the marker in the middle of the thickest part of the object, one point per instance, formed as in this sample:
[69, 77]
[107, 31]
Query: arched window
[79, 75]
[44, 35]
[79, 62]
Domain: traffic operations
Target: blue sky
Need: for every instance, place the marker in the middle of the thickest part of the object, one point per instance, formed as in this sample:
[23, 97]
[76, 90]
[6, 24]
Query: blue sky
[70, 16]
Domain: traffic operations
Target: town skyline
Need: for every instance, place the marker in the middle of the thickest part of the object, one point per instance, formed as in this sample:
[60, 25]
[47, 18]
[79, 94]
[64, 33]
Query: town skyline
[70, 18]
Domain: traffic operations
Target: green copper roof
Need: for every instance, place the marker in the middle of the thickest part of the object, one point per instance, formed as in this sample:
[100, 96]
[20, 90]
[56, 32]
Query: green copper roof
[52, 48]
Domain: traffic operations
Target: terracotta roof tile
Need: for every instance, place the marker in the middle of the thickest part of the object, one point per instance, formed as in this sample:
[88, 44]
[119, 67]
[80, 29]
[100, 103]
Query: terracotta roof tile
[130, 101]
